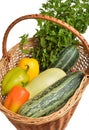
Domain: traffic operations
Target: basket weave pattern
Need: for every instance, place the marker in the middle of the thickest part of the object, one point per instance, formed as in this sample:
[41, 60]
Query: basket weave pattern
[59, 119]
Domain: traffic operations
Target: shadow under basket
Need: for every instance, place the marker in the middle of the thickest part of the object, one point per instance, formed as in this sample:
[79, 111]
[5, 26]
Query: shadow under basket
[59, 119]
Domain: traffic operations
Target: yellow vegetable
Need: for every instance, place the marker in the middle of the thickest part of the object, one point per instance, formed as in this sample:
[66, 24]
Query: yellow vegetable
[33, 65]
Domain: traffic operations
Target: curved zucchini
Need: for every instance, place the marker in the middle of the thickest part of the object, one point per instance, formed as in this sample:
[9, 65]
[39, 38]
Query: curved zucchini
[52, 98]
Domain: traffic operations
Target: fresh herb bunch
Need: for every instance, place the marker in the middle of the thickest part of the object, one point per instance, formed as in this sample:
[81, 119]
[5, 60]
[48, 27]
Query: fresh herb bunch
[53, 38]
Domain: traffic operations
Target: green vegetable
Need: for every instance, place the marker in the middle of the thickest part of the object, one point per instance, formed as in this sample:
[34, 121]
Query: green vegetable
[53, 38]
[52, 98]
[67, 58]
[15, 76]
[23, 41]
[43, 80]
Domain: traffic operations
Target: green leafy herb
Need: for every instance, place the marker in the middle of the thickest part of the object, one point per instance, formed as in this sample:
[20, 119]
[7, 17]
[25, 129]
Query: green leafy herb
[23, 41]
[52, 38]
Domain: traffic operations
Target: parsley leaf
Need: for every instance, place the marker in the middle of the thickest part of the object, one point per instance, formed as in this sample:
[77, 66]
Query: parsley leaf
[53, 38]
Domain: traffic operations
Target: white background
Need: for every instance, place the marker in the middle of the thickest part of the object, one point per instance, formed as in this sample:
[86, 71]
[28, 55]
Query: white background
[9, 11]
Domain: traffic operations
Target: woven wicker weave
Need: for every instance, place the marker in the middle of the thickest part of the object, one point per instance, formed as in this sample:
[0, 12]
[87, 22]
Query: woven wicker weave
[59, 119]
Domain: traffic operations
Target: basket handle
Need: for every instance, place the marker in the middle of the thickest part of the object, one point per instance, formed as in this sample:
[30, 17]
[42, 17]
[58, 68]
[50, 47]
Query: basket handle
[40, 16]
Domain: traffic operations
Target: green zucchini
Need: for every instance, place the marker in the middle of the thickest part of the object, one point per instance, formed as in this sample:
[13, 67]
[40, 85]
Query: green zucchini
[52, 98]
[43, 80]
[67, 58]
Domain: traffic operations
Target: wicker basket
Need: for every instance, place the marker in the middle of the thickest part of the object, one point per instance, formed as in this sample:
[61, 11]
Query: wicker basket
[58, 120]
